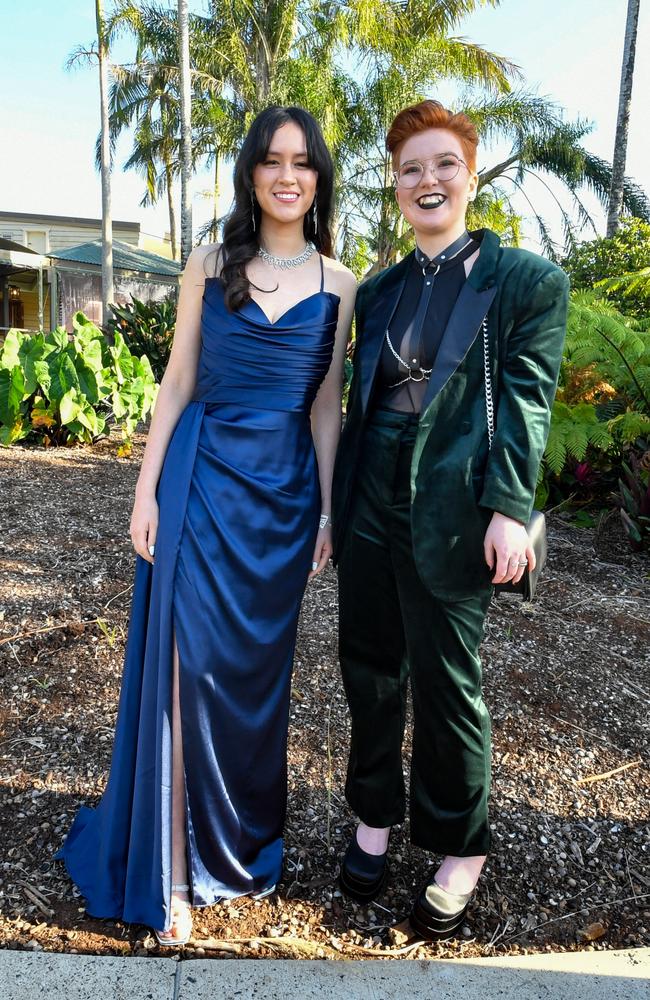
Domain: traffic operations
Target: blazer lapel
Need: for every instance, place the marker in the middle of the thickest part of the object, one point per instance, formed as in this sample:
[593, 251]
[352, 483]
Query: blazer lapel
[379, 314]
[471, 307]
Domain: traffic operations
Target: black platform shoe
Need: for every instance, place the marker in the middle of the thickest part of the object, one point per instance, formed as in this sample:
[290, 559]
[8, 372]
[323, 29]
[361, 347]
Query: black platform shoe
[438, 914]
[362, 875]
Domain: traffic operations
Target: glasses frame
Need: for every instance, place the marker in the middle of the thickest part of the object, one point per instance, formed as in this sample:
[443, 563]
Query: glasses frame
[422, 163]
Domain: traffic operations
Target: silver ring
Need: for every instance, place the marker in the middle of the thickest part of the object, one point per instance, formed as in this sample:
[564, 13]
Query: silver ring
[522, 562]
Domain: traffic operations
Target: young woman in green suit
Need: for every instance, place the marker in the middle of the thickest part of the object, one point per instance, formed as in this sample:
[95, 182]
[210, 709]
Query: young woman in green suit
[427, 516]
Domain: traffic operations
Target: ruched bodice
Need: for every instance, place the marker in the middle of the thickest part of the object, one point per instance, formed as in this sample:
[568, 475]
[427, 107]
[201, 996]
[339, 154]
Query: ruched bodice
[276, 366]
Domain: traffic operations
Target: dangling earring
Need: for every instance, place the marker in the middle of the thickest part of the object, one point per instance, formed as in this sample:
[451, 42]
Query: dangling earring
[253, 210]
[315, 217]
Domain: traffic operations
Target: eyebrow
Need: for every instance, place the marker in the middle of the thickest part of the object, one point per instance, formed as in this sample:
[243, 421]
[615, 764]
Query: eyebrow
[414, 159]
[274, 152]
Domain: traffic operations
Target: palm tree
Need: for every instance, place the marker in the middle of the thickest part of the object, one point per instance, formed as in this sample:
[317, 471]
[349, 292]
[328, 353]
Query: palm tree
[616, 194]
[141, 97]
[107, 225]
[544, 146]
[145, 95]
[404, 55]
[186, 133]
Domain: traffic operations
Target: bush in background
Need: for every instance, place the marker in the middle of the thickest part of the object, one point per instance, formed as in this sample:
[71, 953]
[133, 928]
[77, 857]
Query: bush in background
[148, 328]
[598, 448]
[608, 259]
[56, 389]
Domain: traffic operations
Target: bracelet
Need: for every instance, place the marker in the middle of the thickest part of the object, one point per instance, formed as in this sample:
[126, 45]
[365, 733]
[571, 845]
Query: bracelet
[324, 521]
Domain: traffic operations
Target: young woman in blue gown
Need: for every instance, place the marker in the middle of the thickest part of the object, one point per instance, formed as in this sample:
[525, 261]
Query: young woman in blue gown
[231, 517]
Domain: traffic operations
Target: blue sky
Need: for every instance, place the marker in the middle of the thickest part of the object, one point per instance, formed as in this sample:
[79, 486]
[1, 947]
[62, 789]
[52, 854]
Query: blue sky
[568, 50]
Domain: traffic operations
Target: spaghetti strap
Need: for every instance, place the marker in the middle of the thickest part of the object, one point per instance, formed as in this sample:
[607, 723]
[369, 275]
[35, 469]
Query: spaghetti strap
[322, 273]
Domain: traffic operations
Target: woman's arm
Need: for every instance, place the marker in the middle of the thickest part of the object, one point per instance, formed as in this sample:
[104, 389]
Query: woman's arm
[173, 396]
[326, 412]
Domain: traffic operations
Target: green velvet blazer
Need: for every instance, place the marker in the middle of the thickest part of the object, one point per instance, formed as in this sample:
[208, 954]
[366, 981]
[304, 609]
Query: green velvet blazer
[456, 480]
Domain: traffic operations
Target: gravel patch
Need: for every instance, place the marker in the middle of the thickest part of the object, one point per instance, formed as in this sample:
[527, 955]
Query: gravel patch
[567, 680]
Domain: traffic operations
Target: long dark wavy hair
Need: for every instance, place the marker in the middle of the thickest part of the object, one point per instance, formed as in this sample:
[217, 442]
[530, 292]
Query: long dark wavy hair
[240, 240]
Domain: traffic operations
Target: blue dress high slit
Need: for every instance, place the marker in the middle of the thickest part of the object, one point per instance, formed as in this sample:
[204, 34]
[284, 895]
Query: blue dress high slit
[239, 503]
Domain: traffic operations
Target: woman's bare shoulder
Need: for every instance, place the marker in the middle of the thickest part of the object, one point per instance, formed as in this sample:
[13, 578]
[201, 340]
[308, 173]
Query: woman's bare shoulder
[338, 277]
[205, 261]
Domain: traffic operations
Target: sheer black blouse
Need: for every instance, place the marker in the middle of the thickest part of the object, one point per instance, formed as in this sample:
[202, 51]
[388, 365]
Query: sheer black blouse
[431, 290]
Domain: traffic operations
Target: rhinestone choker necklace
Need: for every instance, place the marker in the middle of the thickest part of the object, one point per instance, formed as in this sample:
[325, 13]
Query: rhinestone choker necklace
[284, 262]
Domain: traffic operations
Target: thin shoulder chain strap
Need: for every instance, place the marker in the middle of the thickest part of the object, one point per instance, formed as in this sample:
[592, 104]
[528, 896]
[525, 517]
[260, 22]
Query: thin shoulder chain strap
[489, 401]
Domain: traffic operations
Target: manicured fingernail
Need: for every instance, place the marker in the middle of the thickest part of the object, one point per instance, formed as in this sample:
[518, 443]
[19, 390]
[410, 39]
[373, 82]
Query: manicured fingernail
[152, 549]
[314, 567]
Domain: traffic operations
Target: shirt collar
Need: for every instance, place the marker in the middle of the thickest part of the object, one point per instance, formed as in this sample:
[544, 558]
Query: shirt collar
[445, 255]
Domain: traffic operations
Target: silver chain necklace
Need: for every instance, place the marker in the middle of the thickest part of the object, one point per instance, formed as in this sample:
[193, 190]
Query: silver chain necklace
[282, 263]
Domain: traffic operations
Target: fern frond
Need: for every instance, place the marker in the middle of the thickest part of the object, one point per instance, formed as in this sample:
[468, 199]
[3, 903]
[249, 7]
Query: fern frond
[555, 454]
[576, 438]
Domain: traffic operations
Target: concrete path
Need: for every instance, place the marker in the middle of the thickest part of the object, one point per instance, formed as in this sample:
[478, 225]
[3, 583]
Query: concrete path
[600, 975]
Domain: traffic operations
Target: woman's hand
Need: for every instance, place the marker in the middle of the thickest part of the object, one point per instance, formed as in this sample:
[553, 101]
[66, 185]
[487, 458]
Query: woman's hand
[322, 550]
[144, 525]
[506, 546]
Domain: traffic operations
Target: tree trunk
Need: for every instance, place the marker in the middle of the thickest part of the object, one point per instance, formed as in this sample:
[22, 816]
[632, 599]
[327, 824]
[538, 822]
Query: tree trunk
[186, 135]
[215, 210]
[107, 223]
[262, 57]
[623, 119]
[171, 207]
[384, 248]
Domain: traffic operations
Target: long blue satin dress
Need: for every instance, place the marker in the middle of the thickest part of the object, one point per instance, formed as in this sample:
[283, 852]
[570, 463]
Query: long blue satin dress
[239, 503]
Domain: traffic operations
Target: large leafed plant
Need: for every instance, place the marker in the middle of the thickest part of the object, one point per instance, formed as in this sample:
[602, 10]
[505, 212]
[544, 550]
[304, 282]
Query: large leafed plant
[60, 389]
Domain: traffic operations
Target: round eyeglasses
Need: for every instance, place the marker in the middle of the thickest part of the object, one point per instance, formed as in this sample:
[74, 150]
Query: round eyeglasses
[444, 167]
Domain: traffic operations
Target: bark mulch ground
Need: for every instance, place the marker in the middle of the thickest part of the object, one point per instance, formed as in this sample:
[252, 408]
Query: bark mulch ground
[567, 680]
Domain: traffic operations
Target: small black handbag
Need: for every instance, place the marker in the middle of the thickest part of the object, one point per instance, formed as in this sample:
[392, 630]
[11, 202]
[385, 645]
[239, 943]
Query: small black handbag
[536, 527]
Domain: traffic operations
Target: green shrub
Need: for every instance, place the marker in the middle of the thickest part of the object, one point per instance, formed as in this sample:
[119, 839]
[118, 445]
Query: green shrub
[634, 500]
[56, 389]
[618, 257]
[601, 415]
[147, 328]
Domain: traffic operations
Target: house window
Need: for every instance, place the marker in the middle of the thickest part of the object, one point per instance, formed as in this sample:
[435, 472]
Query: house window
[37, 240]
[15, 235]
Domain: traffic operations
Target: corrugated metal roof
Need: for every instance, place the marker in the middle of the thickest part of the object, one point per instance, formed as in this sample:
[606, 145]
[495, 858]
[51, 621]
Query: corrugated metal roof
[74, 219]
[125, 258]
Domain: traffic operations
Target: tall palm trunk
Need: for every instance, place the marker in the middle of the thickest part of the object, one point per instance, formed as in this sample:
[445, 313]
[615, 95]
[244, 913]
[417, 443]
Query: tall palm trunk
[167, 157]
[215, 196]
[107, 222]
[623, 119]
[171, 207]
[384, 247]
[186, 135]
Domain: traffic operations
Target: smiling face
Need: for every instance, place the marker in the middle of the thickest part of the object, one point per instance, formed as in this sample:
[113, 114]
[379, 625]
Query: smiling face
[433, 206]
[284, 183]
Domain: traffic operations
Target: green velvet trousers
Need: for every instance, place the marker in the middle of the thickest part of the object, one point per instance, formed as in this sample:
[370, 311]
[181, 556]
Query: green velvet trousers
[391, 630]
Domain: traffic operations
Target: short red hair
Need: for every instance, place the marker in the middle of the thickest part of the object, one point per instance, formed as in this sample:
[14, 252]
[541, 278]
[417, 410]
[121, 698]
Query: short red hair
[432, 114]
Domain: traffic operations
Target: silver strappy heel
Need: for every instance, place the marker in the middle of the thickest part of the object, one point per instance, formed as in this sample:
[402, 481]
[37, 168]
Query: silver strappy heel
[175, 942]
